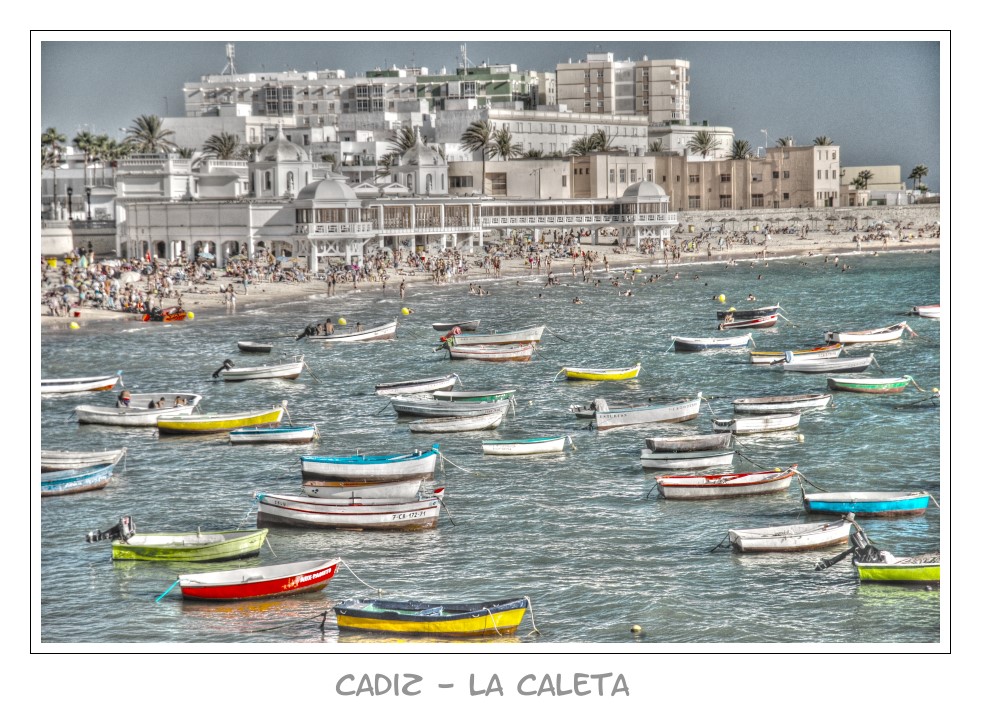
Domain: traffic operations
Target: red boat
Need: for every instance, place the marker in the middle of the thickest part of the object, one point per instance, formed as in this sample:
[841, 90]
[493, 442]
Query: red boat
[260, 582]
[761, 322]
[171, 314]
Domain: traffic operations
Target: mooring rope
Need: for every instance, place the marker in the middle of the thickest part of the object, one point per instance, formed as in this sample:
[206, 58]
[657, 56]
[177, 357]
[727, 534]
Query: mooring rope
[269, 543]
[443, 458]
[387, 405]
[248, 513]
[725, 542]
[534, 628]
[917, 386]
[807, 481]
[647, 497]
[935, 503]
[321, 615]
[165, 592]
[372, 587]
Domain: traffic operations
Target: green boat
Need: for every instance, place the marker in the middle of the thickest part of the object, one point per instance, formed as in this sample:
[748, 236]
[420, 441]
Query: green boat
[869, 385]
[194, 546]
[916, 569]
[496, 395]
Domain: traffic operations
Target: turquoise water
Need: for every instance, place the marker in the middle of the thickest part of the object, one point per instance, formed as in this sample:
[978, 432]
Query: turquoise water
[580, 533]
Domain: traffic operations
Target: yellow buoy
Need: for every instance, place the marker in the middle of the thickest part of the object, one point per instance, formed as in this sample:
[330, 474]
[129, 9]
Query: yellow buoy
[341, 321]
[722, 298]
[73, 325]
[635, 629]
[638, 270]
[190, 316]
[406, 311]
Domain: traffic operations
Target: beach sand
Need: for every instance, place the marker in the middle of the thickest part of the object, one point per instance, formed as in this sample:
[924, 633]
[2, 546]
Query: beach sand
[206, 300]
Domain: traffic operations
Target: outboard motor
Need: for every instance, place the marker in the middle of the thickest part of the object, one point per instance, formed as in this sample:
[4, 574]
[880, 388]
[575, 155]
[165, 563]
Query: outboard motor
[227, 364]
[121, 531]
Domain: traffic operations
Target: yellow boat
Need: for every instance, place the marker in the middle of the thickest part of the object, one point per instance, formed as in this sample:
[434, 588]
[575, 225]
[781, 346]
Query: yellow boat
[915, 569]
[601, 374]
[219, 423]
[498, 617]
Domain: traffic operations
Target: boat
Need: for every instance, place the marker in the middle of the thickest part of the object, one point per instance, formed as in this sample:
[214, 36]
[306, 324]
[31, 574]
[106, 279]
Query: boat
[491, 353]
[869, 385]
[491, 395]
[258, 347]
[287, 369]
[367, 334]
[838, 364]
[303, 512]
[418, 386]
[883, 504]
[698, 344]
[931, 311]
[396, 489]
[139, 412]
[195, 546]
[696, 442]
[685, 459]
[747, 313]
[794, 537]
[881, 334]
[588, 373]
[409, 617]
[780, 404]
[367, 467]
[608, 417]
[820, 352]
[524, 335]
[444, 425]
[65, 460]
[170, 314]
[526, 447]
[427, 407]
[90, 478]
[693, 487]
[218, 423]
[71, 385]
[881, 566]
[465, 326]
[259, 582]
[273, 434]
[760, 322]
[757, 424]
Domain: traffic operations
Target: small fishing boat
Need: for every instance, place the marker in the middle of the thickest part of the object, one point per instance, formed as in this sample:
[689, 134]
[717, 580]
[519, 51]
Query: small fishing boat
[526, 447]
[218, 423]
[696, 442]
[418, 386]
[465, 326]
[197, 546]
[884, 504]
[931, 311]
[445, 425]
[397, 489]
[820, 352]
[780, 404]
[760, 322]
[71, 385]
[794, 537]
[273, 434]
[881, 334]
[170, 314]
[491, 353]
[367, 334]
[524, 335]
[685, 459]
[692, 487]
[491, 395]
[139, 413]
[588, 373]
[368, 467]
[257, 347]
[287, 369]
[608, 417]
[757, 424]
[66, 460]
[301, 512]
[747, 313]
[415, 405]
[881, 566]
[408, 617]
[870, 385]
[839, 364]
[259, 582]
[62, 483]
[699, 344]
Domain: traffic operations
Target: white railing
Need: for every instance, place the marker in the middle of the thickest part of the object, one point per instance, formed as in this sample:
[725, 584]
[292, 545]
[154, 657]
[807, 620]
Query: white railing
[595, 219]
[333, 228]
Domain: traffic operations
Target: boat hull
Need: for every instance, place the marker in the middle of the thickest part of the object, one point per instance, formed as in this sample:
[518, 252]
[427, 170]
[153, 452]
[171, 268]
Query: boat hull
[601, 375]
[63, 483]
[700, 344]
[685, 460]
[466, 326]
[443, 425]
[401, 489]
[760, 322]
[757, 425]
[854, 337]
[530, 334]
[869, 385]
[255, 347]
[932, 311]
[780, 404]
[492, 353]
[524, 447]
[723, 486]
[798, 537]
[287, 370]
[323, 513]
[72, 385]
[431, 619]
[364, 467]
[681, 444]
[261, 582]
[217, 423]
[871, 505]
[821, 352]
[382, 332]
[432, 408]
[418, 386]
[66, 460]
[748, 313]
[501, 395]
[207, 546]
[840, 364]
[272, 435]
[137, 415]
[634, 416]
[899, 572]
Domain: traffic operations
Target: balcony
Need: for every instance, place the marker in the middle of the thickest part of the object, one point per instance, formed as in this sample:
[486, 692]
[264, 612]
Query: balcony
[334, 229]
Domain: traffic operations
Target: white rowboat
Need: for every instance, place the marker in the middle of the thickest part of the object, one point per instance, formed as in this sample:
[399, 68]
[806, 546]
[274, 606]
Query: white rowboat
[139, 412]
[780, 404]
[758, 424]
[381, 332]
[369, 467]
[273, 434]
[697, 442]
[401, 489]
[525, 447]
[821, 366]
[491, 353]
[686, 487]
[289, 369]
[685, 459]
[444, 425]
[798, 536]
[881, 334]
[428, 407]
[66, 460]
[609, 417]
[301, 512]
[527, 334]
[71, 385]
[417, 386]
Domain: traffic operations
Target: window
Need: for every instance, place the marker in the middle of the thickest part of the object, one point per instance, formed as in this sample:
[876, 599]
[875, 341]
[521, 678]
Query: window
[268, 181]
[565, 180]
[498, 184]
[819, 174]
[776, 174]
[613, 175]
[786, 196]
[623, 176]
[650, 175]
[377, 90]
[599, 104]
[725, 200]
[694, 202]
[786, 174]
[757, 200]
[725, 178]
[694, 178]
[834, 173]
[362, 90]
[461, 181]
[364, 105]
[468, 89]
[633, 175]
[834, 155]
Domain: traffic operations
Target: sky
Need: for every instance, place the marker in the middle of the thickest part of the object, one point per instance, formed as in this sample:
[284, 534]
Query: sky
[885, 102]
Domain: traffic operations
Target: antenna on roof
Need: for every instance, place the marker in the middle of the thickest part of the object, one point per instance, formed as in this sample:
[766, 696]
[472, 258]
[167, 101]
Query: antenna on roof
[230, 56]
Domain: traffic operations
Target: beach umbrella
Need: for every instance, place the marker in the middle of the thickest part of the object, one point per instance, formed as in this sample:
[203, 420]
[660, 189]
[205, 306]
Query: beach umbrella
[832, 218]
[69, 289]
[129, 276]
[795, 219]
[204, 255]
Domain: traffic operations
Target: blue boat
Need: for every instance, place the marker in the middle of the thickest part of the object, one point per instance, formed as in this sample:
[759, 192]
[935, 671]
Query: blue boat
[881, 504]
[273, 434]
[62, 483]
[367, 467]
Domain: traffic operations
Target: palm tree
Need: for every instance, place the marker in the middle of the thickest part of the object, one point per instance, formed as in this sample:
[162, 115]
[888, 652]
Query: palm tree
[823, 141]
[477, 137]
[503, 145]
[85, 141]
[862, 180]
[533, 154]
[405, 139]
[185, 152]
[740, 150]
[785, 141]
[656, 146]
[223, 146]
[52, 141]
[917, 174]
[702, 142]
[147, 136]
[581, 146]
[600, 141]
[386, 162]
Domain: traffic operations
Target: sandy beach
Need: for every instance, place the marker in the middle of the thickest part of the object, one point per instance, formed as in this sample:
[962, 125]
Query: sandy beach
[208, 299]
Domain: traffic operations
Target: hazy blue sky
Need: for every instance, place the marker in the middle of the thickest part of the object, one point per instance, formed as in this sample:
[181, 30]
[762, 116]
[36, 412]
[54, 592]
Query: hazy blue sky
[884, 102]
